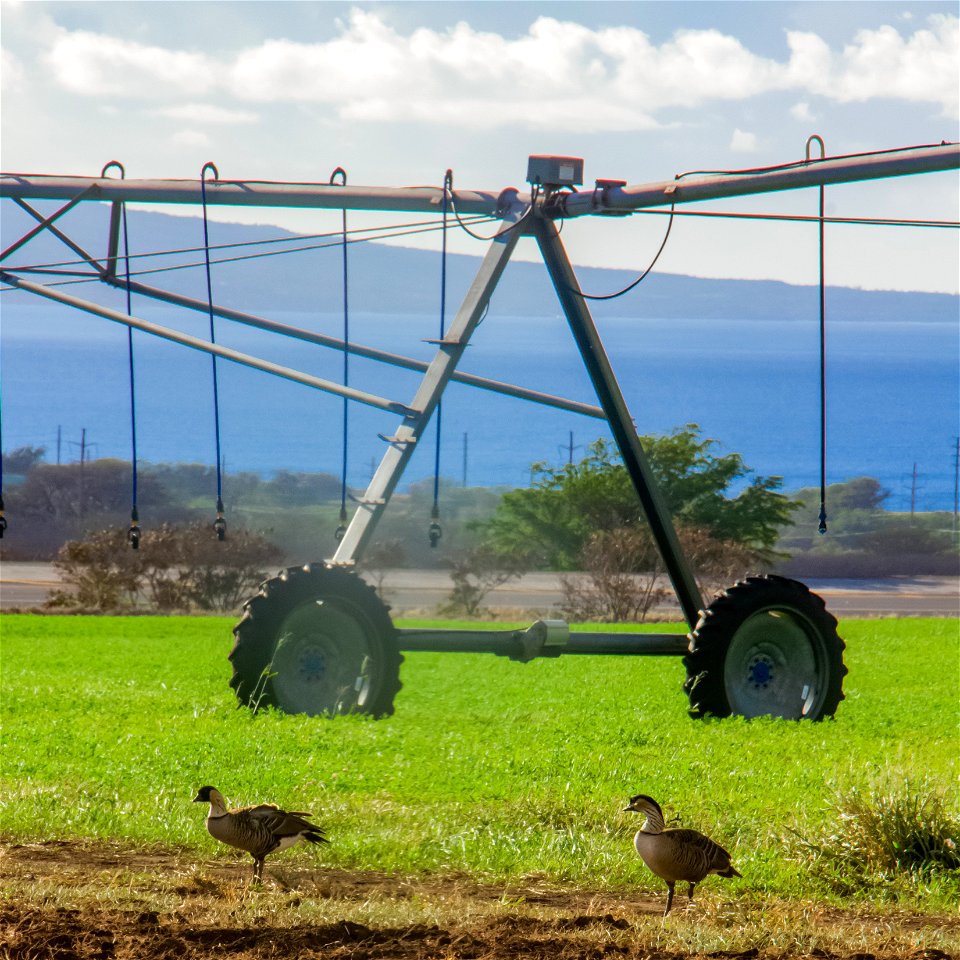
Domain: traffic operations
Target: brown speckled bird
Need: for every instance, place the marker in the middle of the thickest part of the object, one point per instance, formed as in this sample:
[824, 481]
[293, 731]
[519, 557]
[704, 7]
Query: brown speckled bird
[259, 830]
[674, 855]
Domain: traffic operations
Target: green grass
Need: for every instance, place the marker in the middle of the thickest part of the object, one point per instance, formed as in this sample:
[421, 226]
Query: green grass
[110, 724]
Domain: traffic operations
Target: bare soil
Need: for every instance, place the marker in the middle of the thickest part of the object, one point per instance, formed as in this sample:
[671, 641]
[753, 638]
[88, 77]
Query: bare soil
[80, 901]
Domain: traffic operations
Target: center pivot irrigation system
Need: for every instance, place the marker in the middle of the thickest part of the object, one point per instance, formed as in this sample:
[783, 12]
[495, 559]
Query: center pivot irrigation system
[317, 639]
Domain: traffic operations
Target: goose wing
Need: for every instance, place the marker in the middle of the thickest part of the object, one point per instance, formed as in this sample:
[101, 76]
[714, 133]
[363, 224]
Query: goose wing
[700, 853]
[280, 824]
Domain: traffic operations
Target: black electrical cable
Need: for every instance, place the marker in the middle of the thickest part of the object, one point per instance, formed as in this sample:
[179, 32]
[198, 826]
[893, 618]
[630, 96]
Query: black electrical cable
[807, 161]
[220, 524]
[393, 234]
[630, 286]
[379, 233]
[803, 218]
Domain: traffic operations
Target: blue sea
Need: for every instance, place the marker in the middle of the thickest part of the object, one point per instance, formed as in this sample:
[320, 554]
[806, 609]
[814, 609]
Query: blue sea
[753, 385]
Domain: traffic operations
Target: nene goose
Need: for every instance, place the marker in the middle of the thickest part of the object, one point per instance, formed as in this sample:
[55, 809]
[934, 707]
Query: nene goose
[259, 830]
[676, 854]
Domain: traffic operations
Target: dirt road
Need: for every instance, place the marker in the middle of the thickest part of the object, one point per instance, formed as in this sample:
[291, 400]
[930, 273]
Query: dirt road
[420, 592]
[76, 901]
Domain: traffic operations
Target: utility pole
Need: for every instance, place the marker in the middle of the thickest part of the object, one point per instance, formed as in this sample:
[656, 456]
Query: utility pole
[913, 492]
[59, 430]
[83, 454]
[84, 447]
[465, 443]
[956, 486]
[569, 446]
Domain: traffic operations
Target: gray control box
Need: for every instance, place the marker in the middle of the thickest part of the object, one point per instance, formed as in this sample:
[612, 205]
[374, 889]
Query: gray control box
[555, 171]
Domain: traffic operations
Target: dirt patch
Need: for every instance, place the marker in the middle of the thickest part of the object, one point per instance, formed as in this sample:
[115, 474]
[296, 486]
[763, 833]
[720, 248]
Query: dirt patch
[75, 901]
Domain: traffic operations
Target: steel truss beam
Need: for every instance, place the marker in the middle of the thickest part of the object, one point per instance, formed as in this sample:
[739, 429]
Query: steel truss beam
[355, 349]
[610, 199]
[449, 350]
[184, 339]
[621, 425]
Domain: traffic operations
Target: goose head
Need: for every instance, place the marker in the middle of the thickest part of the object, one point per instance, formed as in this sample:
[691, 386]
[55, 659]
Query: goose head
[641, 803]
[649, 807]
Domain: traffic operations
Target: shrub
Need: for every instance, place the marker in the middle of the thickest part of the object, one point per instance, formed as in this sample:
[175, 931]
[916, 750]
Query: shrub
[475, 573]
[624, 576]
[176, 568]
[102, 570]
[885, 832]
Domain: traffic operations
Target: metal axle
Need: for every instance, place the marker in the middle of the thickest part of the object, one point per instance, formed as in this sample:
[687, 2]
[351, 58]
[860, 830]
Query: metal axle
[545, 638]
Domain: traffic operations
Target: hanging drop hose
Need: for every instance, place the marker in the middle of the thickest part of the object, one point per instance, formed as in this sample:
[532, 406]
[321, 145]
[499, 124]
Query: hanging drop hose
[220, 524]
[133, 533]
[3, 519]
[342, 525]
[434, 531]
[822, 518]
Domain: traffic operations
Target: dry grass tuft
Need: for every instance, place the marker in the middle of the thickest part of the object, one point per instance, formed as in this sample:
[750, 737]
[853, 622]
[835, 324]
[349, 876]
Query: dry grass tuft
[890, 832]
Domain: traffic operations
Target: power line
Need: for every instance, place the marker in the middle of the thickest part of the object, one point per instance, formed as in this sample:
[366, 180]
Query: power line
[801, 218]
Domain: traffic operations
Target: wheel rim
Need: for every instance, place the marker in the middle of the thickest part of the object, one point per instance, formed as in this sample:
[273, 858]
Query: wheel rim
[776, 666]
[323, 660]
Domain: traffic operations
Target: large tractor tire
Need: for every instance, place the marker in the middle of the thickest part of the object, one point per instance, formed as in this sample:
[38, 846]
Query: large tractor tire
[765, 647]
[316, 640]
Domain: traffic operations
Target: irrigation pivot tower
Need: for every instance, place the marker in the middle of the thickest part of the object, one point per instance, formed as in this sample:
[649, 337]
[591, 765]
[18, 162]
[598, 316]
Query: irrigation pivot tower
[317, 639]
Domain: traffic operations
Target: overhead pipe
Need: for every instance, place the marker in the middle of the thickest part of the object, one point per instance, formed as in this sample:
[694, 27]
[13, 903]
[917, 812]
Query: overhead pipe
[612, 199]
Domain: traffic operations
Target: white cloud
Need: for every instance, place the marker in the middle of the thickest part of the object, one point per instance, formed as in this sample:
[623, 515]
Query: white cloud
[613, 78]
[191, 138]
[94, 64]
[882, 63]
[204, 113]
[743, 142]
[12, 73]
[802, 112]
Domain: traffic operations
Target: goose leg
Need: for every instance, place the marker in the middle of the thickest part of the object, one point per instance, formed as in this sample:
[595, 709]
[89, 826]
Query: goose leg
[257, 869]
[669, 897]
[690, 892]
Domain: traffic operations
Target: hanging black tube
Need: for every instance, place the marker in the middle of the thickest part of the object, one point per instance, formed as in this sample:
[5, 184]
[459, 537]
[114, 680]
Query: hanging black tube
[3, 519]
[133, 534]
[220, 524]
[822, 518]
[342, 525]
[435, 531]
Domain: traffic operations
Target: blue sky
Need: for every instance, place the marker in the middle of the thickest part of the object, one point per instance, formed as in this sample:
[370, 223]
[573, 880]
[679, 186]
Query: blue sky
[398, 92]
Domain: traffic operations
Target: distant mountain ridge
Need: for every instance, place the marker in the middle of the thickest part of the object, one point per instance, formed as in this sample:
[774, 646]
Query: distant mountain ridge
[402, 280]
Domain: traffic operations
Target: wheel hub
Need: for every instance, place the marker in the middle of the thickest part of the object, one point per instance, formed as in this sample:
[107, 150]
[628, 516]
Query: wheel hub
[313, 665]
[760, 672]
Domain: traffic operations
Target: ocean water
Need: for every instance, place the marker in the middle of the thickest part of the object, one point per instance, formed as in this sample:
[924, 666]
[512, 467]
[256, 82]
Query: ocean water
[753, 385]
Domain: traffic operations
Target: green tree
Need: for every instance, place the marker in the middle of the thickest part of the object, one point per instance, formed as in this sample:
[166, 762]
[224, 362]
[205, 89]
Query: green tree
[552, 521]
[23, 459]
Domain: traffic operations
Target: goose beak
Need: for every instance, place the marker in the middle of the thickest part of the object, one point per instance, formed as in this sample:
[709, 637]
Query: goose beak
[198, 799]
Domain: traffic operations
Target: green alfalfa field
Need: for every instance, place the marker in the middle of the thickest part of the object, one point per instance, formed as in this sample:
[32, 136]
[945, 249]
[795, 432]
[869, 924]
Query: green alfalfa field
[494, 795]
